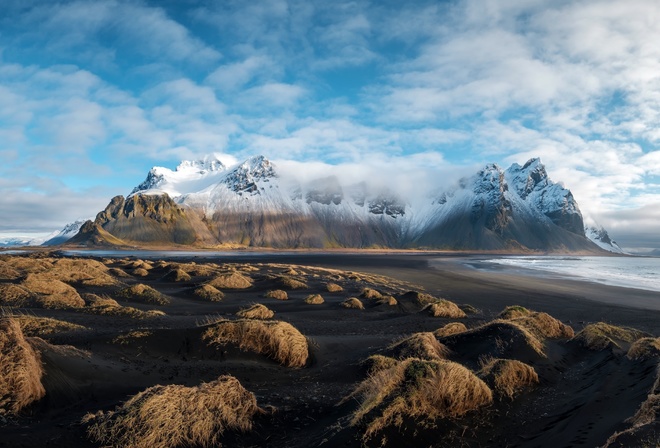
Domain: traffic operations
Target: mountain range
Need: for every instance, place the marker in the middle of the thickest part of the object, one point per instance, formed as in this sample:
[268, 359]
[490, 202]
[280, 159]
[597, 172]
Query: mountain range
[208, 204]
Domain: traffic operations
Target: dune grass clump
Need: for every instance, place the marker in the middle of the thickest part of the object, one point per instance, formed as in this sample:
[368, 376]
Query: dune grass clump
[15, 295]
[43, 326]
[175, 416]
[421, 390]
[208, 292]
[256, 311]
[278, 294]
[52, 293]
[314, 299]
[376, 363]
[84, 271]
[118, 272]
[449, 329]
[507, 377]
[333, 287]
[644, 348]
[291, 283]
[232, 280]
[445, 308]
[278, 340]
[419, 345]
[352, 303]
[7, 272]
[468, 309]
[388, 300]
[131, 336]
[541, 324]
[20, 369]
[600, 335]
[140, 272]
[370, 293]
[144, 293]
[177, 275]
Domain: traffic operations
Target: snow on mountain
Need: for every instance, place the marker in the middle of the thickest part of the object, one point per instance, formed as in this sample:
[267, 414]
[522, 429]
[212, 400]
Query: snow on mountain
[600, 237]
[187, 177]
[69, 231]
[254, 203]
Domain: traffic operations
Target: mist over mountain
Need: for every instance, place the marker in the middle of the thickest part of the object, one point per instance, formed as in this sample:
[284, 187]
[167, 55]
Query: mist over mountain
[206, 203]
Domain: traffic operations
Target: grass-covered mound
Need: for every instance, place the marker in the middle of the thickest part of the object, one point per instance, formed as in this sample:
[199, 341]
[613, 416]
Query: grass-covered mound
[445, 308]
[352, 303]
[644, 348]
[20, 369]
[507, 377]
[176, 416]
[600, 336]
[314, 299]
[418, 345]
[52, 293]
[541, 324]
[232, 280]
[417, 390]
[256, 311]
[278, 340]
[449, 329]
[144, 293]
[208, 292]
[278, 294]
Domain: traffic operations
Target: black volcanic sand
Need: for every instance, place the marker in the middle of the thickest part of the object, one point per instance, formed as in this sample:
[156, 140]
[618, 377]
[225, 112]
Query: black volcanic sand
[583, 397]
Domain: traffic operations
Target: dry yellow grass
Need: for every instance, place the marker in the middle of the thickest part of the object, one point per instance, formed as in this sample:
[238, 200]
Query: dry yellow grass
[541, 324]
[417, 389]
[352, 303]
[123, 311]
[175, 416]
[232, 280]
[278, 294]
[15, 295]
[291, 283]
[600, 335]
[419, 345]
[314, 299]
[144, 293]
[445, 308]
[333, 287]
[20, 369]
[131, 336]
[208, 292]
[388, 300]
[449, 329]
[7, 272]
[644, 348]
[52, 293]
[118, 272]
[507, 377]
[256, 311]
[177, 275]
[43, 326]
[376, 363]
[93, 300]
[140, 272]
[81, 270]
[139, 264]
[278, 340]
[370, 293]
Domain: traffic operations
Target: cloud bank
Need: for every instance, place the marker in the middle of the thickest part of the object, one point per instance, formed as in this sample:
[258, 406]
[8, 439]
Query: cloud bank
[94, 93]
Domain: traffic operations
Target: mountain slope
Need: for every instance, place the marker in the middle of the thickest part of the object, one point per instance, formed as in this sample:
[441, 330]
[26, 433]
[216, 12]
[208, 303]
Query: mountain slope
[253, 204]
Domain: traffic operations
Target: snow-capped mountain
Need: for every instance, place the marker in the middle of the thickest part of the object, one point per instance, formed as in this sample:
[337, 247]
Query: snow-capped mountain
[69, 231]
[254, 203]
[601, 238]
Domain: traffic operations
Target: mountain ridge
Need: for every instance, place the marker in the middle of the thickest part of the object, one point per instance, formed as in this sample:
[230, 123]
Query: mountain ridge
[207, 203]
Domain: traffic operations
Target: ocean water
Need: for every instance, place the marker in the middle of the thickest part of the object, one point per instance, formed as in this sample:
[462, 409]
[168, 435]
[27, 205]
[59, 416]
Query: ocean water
[628, 272]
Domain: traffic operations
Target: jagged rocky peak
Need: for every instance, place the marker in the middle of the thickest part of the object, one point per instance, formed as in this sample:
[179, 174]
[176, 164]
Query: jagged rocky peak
[387, 202]
[491, 205]
[208, 163]
[160, 208]
[247, 176]
[527, 178]
[599, 236]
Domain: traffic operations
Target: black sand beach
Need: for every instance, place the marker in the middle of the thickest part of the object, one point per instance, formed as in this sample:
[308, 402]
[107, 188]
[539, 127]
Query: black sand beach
[583, 396]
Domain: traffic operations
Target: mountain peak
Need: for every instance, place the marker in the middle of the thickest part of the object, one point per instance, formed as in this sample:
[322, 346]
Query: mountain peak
[208, 163]
[246, 176]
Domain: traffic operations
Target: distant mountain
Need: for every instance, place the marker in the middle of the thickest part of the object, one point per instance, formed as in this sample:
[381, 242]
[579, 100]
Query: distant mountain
[252, 203]
[64, 235]
[601, 238]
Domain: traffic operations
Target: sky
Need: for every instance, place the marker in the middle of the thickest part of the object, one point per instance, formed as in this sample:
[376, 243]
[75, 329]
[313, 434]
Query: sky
[94, 93]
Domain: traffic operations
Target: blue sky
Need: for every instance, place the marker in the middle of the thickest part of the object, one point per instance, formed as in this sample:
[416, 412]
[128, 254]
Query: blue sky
[95, 92]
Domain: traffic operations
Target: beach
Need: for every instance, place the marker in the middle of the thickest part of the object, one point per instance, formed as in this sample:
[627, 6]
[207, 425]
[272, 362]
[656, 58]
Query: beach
[583, 395]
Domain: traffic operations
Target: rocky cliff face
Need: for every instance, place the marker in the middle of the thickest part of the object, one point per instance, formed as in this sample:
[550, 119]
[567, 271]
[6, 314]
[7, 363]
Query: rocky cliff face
[252, 204]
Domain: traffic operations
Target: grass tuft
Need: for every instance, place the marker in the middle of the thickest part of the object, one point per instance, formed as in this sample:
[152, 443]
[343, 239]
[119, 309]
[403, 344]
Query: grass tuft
[314, 299]
[449, 329]
[445, 308]
[20, 369]
[277, 294]
[600, 335]
[278, 340]
[175, 415]
[418, 345]
[352, 303]
[208, 292]
[144, 293]
[256, 311]
[507, 377]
